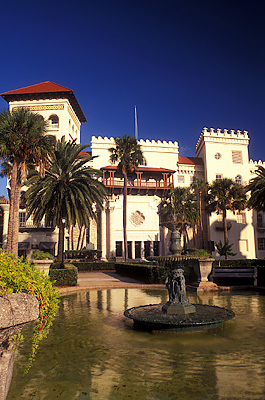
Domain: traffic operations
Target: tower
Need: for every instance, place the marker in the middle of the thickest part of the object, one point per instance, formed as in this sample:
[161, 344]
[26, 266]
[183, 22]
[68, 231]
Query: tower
[55, 103]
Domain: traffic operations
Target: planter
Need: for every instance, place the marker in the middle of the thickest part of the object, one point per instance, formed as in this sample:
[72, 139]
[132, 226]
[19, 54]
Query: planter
[203, 269]
[43, 265]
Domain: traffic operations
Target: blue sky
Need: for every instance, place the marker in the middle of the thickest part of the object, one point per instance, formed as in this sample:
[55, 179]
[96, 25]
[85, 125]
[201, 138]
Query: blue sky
[184, 64]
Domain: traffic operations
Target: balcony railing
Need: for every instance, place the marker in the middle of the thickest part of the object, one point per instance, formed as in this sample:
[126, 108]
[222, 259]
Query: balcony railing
[137, 184]
[29, 225]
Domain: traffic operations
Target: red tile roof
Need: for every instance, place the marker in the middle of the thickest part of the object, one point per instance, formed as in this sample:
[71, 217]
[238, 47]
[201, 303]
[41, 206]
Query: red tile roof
[142, 169]
[190, 160]
[43, 87]
[45, 90]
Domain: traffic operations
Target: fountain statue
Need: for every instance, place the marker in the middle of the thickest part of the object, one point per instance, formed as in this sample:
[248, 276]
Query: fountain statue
[178, 313]
[178, 302]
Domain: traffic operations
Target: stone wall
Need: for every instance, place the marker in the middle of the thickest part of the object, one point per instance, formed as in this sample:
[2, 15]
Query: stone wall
[16, 309]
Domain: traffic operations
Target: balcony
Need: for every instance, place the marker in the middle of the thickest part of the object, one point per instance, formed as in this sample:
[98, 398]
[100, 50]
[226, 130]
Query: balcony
[136, 184]
[220, 227]
[28, 226]
[145, 178]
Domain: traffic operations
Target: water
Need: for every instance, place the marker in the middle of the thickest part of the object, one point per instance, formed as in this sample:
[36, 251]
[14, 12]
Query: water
[93, 353]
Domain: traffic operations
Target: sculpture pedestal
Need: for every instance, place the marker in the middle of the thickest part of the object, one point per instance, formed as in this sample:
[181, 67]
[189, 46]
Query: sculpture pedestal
[206, 286]
[177, 308]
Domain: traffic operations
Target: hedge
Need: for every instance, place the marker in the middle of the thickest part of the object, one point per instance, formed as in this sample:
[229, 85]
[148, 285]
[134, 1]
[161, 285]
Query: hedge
[239, 263]
[66, 276]
[148, 273]
[86, 254]
[93, 266]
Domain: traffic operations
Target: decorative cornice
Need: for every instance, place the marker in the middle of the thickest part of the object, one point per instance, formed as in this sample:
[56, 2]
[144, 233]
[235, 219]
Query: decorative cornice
[41, 108]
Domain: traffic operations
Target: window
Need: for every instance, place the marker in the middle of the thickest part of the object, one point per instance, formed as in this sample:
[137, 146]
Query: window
[156, 248]
[217, 156]
[238, 179]
[144, 162]
[147, 249]
[261, 243]
[54, 121]
[137, 246]
[180, 179]
[218, 177]
[22, 219]
[118, 249]
[192, 178]
[129, 249]
[241, 218]
[237, 157]
[260, 220]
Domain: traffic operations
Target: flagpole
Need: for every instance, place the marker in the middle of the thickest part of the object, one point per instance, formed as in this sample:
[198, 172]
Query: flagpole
[135, 124]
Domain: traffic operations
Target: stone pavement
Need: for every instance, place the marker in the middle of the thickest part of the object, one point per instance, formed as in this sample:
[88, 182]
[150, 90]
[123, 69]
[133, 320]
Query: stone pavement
[104, 280]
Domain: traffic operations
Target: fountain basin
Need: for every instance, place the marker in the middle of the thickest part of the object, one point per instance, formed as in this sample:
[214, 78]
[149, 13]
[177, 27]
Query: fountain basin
[150, 317]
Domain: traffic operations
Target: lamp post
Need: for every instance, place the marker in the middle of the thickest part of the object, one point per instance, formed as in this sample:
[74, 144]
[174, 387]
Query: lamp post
[63, 222]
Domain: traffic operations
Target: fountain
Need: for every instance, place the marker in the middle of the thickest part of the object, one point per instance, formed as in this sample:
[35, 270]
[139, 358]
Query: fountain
[178, 313]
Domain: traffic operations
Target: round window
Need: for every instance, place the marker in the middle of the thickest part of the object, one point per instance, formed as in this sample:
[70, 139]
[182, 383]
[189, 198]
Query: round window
[217, 156]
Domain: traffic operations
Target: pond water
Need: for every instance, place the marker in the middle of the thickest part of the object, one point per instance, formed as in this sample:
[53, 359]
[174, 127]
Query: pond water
[93, 353]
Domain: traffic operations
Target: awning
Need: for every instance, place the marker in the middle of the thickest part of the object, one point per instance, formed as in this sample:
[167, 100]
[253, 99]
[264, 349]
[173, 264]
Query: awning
[47, 245]
[23, 245]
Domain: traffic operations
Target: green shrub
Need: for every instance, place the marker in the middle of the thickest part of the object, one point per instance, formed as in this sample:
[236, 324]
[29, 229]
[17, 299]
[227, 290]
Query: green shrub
[18, 276]
[66, 276]
[94, 266]
[239, 263]
[41, 255]
[148, 273]
[86, 254]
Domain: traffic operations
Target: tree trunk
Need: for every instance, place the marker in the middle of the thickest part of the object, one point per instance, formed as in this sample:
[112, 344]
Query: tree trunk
[11, 206]
[225, 230]
[83, 238]
[15, 230]
[60, 243]
[125, 217]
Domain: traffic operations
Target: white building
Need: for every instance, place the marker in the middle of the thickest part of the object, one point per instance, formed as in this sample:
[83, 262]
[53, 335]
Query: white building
[219, 154]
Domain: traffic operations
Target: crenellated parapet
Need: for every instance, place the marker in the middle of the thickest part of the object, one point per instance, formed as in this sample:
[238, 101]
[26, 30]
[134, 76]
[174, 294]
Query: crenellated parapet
[222, 136]
[147, 144]
[156, 153]
[253, 165]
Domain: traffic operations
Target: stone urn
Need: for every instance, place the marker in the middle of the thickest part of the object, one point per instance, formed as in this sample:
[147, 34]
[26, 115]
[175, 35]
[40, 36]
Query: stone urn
[175, 240]
[43, 265]
[203, 268]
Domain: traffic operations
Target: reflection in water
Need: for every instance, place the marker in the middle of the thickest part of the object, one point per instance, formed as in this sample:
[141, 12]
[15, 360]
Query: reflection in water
[92, 353]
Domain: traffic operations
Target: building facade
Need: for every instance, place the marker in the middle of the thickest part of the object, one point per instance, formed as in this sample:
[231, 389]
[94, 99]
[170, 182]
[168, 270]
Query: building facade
[219, 154]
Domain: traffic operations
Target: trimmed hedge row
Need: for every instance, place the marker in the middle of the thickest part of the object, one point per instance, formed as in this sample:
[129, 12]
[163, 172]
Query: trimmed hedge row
[66, 276]
[94, 266]
[147, 273]
[239, 263]
[86, 254]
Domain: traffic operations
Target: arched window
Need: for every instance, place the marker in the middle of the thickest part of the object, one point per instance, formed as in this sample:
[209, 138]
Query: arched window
[54, 121]
[238, 179]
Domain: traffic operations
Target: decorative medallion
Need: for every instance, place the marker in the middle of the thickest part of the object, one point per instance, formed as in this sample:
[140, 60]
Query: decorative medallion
[137, 218]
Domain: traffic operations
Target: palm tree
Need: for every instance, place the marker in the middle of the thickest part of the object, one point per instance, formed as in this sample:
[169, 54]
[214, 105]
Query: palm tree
[66, 195]
[23, 141]
[257, 190]
[200, 188]
[224, 195]
[179, 211]
[128, 154]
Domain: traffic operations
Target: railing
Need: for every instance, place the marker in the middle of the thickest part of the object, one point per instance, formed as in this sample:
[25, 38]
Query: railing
[28, 225]
[138, 184]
